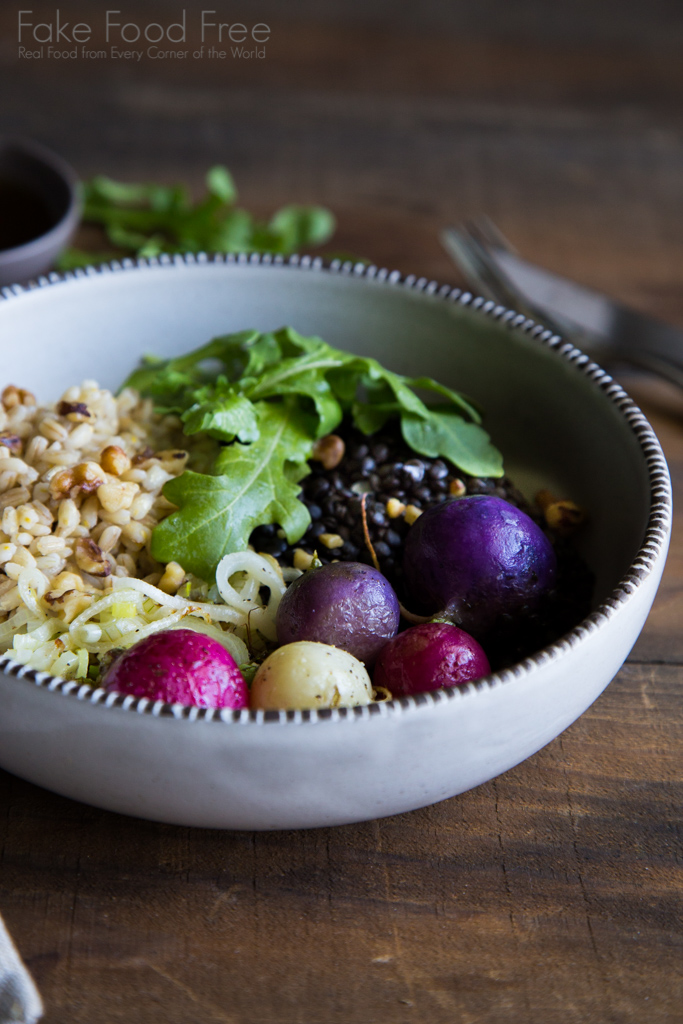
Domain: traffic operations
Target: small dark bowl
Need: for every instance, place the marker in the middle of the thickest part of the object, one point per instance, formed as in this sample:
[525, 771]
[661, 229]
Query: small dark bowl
[46, 208]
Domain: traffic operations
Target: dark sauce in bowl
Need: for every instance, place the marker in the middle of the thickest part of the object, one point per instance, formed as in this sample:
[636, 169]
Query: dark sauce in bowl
[24, 215]
[39, 209]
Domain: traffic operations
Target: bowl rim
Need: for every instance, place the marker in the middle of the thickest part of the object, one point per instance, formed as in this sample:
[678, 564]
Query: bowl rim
[42, 155]
[652, 547]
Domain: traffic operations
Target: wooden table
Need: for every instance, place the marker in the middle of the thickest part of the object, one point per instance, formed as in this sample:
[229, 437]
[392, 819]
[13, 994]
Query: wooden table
[553, 893]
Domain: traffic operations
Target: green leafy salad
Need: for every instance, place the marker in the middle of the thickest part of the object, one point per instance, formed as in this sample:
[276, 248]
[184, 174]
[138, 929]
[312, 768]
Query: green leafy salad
[148, 219]
[266, 398]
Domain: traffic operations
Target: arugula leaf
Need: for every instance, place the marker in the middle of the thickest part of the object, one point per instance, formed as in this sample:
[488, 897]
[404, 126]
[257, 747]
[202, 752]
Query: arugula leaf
[305, 375]
[234, 233]
[262, 351]
[220, 183]
[370, 417]
[255, 484]
[291, 342]
[223, 413]
[171, 382]
[73, 259]
[301, 226]
[148, 219]
[106, 190]
[428, 384]
[378, 385]
[326, 412]
[272, 396]
[448, 435]
[124, 238]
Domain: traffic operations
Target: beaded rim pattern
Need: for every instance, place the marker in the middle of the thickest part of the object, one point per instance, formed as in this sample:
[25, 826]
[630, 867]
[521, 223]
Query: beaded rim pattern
[658, 526]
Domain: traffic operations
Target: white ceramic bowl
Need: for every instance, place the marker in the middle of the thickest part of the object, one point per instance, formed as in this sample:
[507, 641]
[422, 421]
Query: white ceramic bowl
[560, 421]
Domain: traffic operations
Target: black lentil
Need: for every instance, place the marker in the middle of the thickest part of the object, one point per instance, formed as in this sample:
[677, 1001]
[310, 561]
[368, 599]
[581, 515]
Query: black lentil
[386, 468]
[383, 468]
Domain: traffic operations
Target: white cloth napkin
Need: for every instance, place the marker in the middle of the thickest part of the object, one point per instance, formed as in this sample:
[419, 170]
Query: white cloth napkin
[19, 999]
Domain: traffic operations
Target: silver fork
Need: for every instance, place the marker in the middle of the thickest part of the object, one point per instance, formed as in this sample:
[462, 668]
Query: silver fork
[605, 329]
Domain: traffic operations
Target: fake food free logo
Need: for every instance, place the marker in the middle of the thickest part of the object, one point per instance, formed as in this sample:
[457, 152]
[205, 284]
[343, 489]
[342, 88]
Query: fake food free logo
[114, 37]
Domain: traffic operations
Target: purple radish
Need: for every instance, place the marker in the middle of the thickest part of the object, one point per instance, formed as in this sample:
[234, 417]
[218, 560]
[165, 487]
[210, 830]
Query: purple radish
[346, 604]
[179, 666]
[427, 657]
[479, 561]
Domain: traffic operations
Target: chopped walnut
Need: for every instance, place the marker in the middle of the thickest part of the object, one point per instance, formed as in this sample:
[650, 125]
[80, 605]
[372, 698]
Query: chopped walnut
[11, 441]
[562, 516]
[13, 396]
[91, 558]
[86, 477]
[144, 456]
[69, 604]
[77, 412]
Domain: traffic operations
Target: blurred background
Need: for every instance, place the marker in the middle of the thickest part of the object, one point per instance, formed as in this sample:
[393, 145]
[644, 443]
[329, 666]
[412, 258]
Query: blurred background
[563, 122]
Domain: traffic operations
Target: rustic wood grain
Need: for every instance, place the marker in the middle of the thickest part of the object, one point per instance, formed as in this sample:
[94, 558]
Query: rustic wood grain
[551, 895]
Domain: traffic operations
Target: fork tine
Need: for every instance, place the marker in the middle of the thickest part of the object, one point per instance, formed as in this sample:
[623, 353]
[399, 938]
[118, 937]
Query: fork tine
[473, 254]
[489, 234]
[480, 268]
